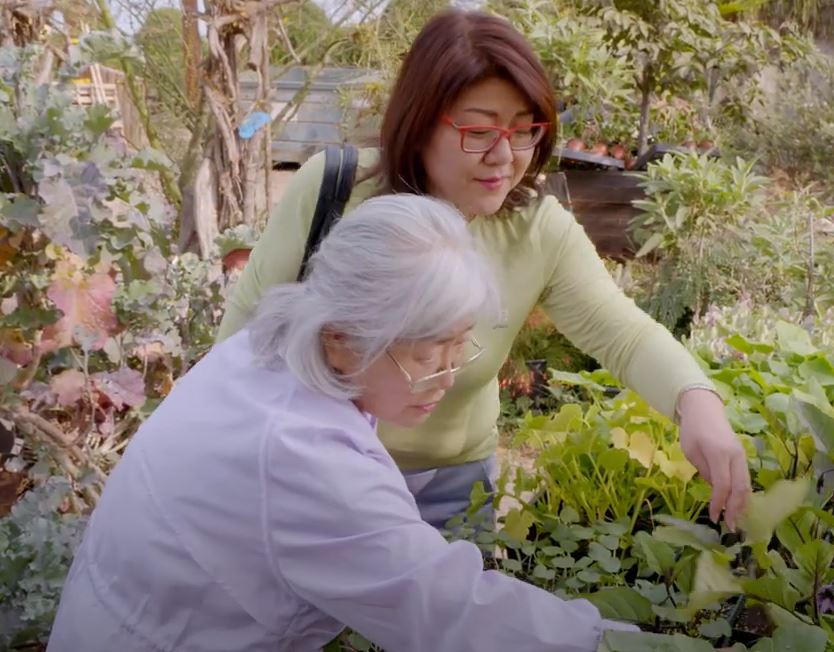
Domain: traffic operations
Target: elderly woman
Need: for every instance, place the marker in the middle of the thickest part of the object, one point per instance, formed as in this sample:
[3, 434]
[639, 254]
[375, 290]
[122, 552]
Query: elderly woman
[257, 510]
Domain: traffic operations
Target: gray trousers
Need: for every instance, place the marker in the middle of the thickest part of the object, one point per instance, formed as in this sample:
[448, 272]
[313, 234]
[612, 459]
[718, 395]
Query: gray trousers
[443, 492]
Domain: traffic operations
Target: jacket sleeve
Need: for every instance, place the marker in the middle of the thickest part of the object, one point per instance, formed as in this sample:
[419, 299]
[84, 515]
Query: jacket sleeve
[590, 310]
[345, 534]
[277, 255]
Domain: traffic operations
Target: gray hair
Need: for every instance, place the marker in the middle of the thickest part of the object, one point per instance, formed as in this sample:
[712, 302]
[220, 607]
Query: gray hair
[398, 267]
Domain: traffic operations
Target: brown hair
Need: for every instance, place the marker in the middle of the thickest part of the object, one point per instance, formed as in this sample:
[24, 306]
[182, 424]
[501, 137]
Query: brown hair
[455, 50]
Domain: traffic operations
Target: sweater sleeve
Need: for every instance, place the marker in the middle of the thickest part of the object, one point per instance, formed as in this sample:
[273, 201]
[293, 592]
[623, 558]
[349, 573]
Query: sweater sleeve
[352, 544]
[592, 312]
[277, 255]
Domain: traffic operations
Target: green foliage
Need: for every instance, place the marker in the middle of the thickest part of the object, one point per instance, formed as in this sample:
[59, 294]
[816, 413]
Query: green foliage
[613, 512]
[38, 543]
[98, 315]
[586, 70]
[685, 49]
[793, 131]
[694, 204]
[161, 41]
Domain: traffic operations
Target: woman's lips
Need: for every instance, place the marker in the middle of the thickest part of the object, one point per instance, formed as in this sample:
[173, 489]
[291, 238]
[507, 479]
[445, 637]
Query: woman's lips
[426, 407]
[492, 183]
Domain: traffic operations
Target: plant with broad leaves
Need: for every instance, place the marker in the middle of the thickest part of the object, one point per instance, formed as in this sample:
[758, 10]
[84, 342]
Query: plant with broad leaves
[98, 314]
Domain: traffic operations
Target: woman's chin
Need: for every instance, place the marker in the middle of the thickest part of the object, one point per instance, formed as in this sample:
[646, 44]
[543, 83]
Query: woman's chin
[488, 205]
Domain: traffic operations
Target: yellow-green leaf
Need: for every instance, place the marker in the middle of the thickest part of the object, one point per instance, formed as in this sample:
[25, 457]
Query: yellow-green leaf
[641, 447]
[517, 523]
[767, 509]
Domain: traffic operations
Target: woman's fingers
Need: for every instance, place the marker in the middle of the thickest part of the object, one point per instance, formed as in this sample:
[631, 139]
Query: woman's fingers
[740, 489]
[719, 469]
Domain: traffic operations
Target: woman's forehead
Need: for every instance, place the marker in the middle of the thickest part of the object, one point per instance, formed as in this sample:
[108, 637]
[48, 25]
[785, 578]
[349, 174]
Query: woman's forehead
[493, 97]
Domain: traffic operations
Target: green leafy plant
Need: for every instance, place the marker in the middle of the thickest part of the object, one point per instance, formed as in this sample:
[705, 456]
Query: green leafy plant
[38, 541]
[686, 50]
[692, 203]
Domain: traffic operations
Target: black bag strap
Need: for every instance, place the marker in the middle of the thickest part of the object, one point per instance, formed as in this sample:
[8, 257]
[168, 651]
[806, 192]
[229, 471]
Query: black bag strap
[334, 193]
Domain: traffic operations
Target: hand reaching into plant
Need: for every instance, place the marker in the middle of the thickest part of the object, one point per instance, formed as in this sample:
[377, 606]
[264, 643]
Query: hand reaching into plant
[710, 444]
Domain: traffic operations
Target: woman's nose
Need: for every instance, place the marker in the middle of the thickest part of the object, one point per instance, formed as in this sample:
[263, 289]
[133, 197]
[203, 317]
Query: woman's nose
[501, 152]
[445, 381]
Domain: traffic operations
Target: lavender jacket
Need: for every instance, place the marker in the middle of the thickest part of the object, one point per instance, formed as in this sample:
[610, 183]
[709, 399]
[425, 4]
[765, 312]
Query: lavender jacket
[250, 513]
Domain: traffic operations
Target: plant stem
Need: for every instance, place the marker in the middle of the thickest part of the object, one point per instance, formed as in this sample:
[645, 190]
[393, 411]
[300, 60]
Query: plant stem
[645, 101]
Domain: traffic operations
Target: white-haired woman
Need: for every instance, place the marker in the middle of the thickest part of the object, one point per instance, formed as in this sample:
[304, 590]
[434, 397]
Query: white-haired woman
[257, 510]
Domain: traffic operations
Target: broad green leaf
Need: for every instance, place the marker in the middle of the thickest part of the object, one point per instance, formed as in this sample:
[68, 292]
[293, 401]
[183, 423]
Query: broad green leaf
[764, 645]
[715, 628]
[543, 573]
[562, 562]
[659, 556]
[589, 576]
[512, 565]
[613, 460]
[818, 417]
[616, 641]
[713, 578]
[772, 589]
[568, 515]
[797, 530]
[566, 419]
[706, 537]
[603, 557]
[814, 558]
[742, 344]
[517, 523]
[820, 369]
[794, 339]
[621, 603]
[765, 510]
[799, 638]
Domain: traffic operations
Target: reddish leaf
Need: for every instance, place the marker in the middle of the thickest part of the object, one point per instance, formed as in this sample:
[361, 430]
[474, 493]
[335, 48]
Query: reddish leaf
[125, 387]
[13, 347]
[68, 387]
[87, 303]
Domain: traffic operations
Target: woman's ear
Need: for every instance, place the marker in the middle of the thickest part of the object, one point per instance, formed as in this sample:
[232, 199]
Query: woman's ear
[337, 352]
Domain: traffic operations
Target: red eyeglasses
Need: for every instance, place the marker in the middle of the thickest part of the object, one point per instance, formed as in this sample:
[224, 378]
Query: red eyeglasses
[476, 139]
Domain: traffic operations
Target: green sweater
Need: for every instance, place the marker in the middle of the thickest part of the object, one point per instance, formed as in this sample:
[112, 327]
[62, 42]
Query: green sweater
[541, 254]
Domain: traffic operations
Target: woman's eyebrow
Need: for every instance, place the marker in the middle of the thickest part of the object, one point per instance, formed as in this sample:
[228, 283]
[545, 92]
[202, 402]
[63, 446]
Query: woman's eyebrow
[494, 114]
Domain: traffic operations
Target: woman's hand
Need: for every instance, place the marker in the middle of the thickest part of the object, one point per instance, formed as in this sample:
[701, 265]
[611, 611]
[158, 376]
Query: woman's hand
[710, 444]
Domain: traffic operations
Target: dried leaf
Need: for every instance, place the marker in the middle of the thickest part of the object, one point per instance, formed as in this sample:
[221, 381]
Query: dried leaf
[68, 387]
[125, 387]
